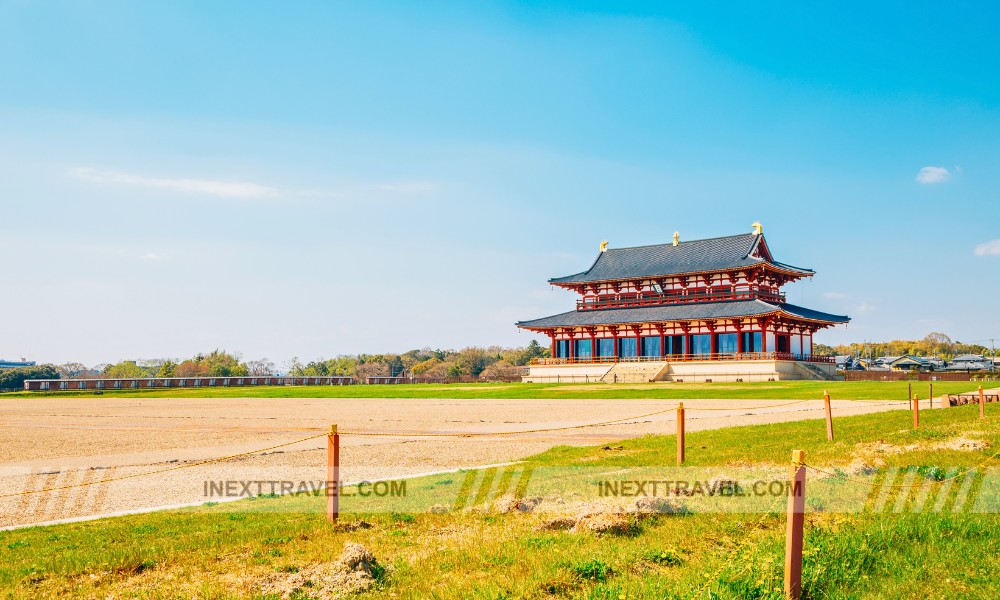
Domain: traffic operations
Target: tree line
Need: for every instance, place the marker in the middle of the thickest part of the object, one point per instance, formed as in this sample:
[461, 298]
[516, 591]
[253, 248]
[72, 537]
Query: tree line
[492, 362]
[934, 345]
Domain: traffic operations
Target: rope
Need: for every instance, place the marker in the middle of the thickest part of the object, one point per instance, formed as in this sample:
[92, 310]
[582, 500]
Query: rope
[175, 468]
[412, 434]
[498, 433]
[849, 479]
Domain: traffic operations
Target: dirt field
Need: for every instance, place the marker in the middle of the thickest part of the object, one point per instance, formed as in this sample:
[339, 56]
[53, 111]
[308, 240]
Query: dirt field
[53, 442]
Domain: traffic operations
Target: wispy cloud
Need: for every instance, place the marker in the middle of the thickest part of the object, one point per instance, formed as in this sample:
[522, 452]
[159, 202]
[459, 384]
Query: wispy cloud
[864, 308]
[222, 189]
[406, 187]
[991, 248]
[834, 295]
[933, 175]
[152, 256]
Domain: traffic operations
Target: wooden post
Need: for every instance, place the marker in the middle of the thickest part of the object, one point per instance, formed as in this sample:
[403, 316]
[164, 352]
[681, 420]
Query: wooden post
[930, 394]
[982, 404]
[829, 416]
[794, 524]
[680, 434]
[916, 411]
[909, 390]
[332, 475]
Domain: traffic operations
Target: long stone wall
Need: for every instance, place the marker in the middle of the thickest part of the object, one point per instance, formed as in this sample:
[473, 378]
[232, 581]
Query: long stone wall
[692, 371]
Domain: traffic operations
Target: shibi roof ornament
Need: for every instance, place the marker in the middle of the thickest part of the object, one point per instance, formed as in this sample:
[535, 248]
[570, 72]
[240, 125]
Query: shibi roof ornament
[758, 229]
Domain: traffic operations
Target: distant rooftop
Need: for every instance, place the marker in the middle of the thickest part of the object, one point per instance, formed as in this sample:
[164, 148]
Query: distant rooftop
[9, 364]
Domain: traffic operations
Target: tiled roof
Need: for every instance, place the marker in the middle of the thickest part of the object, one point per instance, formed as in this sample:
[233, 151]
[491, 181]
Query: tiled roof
[695, 256]
[678, 312]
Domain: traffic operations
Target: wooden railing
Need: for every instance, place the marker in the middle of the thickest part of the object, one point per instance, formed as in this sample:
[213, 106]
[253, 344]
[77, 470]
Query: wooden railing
[684, 358]
[651, 299]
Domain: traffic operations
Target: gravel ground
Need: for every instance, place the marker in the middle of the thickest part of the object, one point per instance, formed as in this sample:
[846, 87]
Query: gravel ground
[52, 442]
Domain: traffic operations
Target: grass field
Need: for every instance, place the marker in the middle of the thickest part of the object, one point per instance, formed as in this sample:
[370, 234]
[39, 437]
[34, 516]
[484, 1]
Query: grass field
[792, 390]
[235, 549]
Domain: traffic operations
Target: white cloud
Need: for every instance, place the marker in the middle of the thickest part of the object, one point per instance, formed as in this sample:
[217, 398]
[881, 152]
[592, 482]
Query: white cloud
[864, 307]
[406, 187]
[834, 295]
[991, 248]
[223, 189]
[153, 256]
[933, 175]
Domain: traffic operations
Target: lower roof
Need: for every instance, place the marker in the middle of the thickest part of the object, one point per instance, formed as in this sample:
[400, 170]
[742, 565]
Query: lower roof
[681, 312]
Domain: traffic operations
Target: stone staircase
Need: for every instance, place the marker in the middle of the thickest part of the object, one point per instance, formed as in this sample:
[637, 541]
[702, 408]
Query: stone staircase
[813, 372]
[635, 372]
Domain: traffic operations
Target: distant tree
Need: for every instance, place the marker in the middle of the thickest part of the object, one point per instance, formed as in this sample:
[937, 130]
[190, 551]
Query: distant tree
[821, 350]
[500, 370]
[167, 369]
[421, 369]
[260, 367]
[71, 370]
[472, 361]
[14, 378]
[127, 369]
[372, 369]
[191, 368]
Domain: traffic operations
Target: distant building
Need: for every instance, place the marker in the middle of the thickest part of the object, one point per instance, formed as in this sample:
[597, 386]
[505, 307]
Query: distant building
[969, 362]
[908, 363]
[9, 364]
[699, 310]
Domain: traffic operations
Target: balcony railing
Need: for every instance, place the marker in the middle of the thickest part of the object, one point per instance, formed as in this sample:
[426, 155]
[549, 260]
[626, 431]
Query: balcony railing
[684, 358]
[651, 299]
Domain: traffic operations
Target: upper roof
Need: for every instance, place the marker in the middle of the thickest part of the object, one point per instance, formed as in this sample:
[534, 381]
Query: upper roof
[680, 312]
[696, 256]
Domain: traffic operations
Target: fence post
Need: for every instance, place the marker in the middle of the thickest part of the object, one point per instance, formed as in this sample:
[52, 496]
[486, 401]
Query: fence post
[795, 518]
[909, 390]
[829, 416]
[332, 475]
[930, 394]
[680, 434]
[982, 404]
[916, 411]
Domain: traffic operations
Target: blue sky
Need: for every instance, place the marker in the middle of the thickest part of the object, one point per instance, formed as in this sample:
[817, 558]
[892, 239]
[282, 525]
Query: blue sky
[310, 179]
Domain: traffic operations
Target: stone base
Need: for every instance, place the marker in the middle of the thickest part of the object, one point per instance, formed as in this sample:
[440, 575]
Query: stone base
[692, 371]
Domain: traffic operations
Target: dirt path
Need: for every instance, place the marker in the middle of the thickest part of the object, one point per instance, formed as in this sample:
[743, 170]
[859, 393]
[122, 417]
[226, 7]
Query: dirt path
[53, 442]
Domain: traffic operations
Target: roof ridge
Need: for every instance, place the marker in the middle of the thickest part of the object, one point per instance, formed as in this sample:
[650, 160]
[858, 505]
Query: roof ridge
[682, 242]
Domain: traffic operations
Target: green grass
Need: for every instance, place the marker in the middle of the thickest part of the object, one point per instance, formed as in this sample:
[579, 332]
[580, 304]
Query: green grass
[220, 551]
[792, 390]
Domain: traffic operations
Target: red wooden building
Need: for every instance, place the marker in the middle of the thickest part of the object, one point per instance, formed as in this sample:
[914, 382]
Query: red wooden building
[709, 300]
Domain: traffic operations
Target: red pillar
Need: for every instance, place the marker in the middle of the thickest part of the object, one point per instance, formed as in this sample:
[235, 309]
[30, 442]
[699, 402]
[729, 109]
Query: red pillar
[572, 350]
[663, 344]
[739, 341]
[713, 342]
[553, 336]
[763, 336]
[593, 345]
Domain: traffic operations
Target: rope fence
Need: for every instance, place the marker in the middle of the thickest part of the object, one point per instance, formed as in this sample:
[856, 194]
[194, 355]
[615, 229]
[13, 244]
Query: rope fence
[333, 436]
[794, 534]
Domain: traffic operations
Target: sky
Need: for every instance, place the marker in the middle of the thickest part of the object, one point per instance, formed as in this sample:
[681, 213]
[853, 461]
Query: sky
[312, 179]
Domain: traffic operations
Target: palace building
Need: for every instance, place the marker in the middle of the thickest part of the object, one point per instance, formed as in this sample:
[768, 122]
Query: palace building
[700, 310]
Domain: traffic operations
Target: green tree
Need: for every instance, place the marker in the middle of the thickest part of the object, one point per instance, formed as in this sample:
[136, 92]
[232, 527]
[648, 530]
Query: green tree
[127, 369]
[167, 369]
[14, 378]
